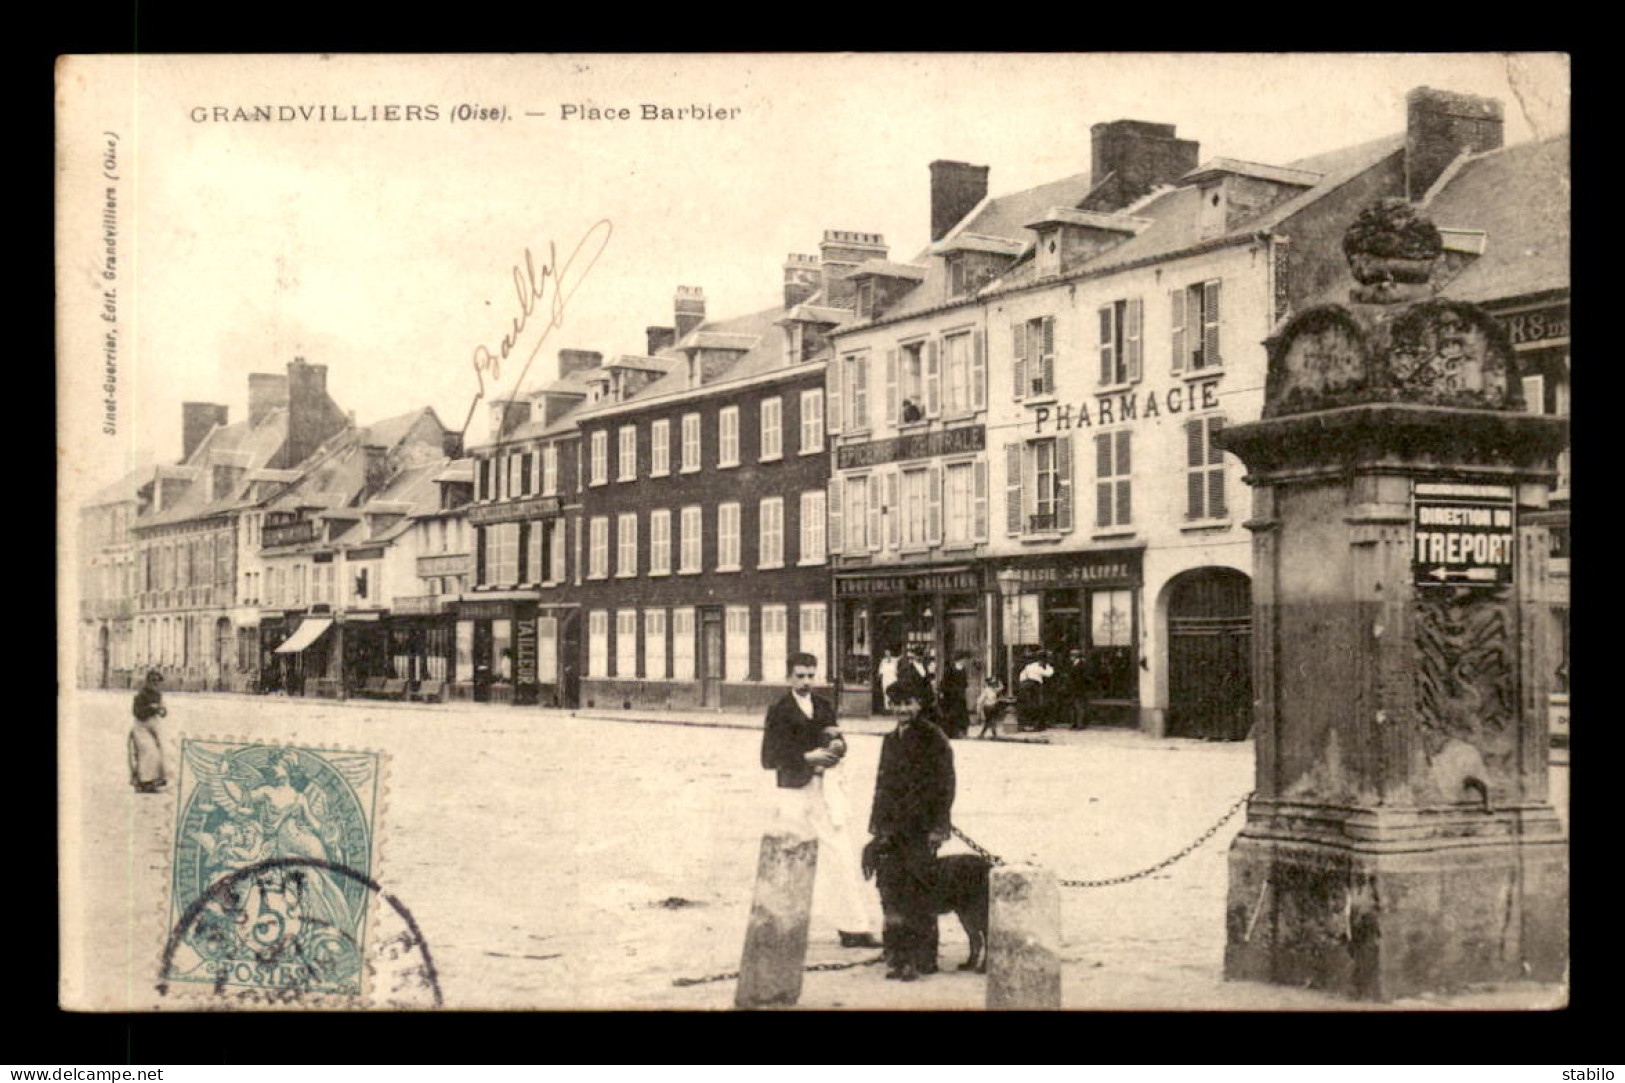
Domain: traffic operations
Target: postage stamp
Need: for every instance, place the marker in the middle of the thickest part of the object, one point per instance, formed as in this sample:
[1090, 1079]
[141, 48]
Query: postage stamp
[272, 869]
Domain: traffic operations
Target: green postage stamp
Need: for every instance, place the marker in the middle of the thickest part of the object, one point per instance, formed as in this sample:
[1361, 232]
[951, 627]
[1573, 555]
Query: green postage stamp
[272, 881]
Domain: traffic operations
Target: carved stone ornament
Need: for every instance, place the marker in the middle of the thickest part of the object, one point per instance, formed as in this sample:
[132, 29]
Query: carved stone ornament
[1392, 249]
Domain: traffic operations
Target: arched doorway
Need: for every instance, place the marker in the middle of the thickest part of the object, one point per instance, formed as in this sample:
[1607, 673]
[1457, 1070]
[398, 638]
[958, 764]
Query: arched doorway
[1210, 686]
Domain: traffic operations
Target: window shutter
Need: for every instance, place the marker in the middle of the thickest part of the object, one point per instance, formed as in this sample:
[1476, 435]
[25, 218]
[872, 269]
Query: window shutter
[978, 370]
[1215, 478]
[874, 511]
[933, 501]
[1012, 488]
[832, 515]
[524, 473]
[479, 554]
[1210, 323]
[1108, 360]
[1103, 487]
[1195, 459]
[1063, 483]
[1176, 306]
[1131, 337]
[1048, 366]
[1020, 364]
[933, 379]
[1124, 511]
[1029, 484]
[894, 517]
[978, 501]
[860, 392]
[893, 414]
[832, 394]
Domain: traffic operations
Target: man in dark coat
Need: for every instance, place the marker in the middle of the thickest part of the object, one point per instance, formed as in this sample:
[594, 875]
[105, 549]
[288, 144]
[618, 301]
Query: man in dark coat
[800, 743]
[954, 706]
[914, 798]
[146, 751]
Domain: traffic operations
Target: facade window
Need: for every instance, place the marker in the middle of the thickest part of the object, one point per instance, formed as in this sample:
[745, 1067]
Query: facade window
[550, 470]
[1111, 618]
[626, 643]
[736, 648]
[690, 557]
[556, 571]
[626, 537]
[964, 388]
[298, 584]
[1195, 326]
[518, 474]
[482, 481]
[812, 527]
[812, 421]
[728, 537]
[1120, 324]
[814, 618]
[598, 547]
[728, 436]
[772, 429]
[598, 643]
[1204, 469]
[627, 464]
[965, 499]
[915, 484]
[660, 542]
[1113, 465]
[775, 641]
[535, 559]
[913, 382]
[691, 443]
[682, 644]
[855, 391]
[1038, 476]
[770, 533]
[502, 560]
[1035, 358]
[856, 515]
[600, 458]
[654, 644]
[660, 448]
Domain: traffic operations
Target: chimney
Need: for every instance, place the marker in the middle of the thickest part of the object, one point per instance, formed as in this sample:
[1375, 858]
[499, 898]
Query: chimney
[956, 189]
[506, 416]
[689, 308]
[576, 360]
[1137, 156]
[197, 419]
[839, 253]
[802, 278]
[376, 474]
[1439, 126]
[451, 444]
[659, 338]
[267, 391]
[312, 416]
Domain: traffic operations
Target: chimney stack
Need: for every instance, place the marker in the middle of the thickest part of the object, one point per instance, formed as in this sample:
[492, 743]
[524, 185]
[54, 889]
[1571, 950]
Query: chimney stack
[312, 416]
[576, 360]
[659, 338]
[451, 444]
[377, 471]
[267, 391]
[689, 309]
[839, 254]
[197, 419]
[956, 189]
[1439, 126]
[1138, 156]
[802, 277]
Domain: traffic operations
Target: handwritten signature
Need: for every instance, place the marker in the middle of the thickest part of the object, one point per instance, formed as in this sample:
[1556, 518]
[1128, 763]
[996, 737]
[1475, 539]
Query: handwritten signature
[530, 283]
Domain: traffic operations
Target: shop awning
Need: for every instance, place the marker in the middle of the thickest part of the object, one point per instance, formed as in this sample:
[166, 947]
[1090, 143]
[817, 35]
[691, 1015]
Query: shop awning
[310, 630]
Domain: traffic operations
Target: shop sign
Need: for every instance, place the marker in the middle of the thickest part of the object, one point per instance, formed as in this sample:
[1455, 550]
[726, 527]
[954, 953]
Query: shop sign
[444, 564]
[1464, 535]
[419, 605]
[1120, 408]
[1075, 572]
[1536, 325]
[479, 609]
[533, 508]
[925, 582]
[525, 652]
[288, 534]
[919, 445]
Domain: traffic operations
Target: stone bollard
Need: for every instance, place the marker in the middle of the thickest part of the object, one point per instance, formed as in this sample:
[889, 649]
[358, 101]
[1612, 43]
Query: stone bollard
[1023, 939]
[776, 938]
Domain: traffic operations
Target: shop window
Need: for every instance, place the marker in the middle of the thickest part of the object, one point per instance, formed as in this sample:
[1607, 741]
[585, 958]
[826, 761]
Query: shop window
[1204, 469]
[547, 650]
[502, 650]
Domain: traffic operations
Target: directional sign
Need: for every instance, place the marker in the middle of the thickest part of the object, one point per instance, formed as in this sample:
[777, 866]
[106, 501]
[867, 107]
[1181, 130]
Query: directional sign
[1464, 535]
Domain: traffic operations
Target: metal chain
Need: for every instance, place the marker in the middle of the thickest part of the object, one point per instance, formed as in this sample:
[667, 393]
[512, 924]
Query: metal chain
[814, 968]
[1241, 802]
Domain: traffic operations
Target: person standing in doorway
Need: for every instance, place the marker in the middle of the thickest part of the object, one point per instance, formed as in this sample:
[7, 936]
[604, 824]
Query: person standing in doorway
[885, 677]
[803, 745]
[1080, 688]
[146, 751]
[955, 705]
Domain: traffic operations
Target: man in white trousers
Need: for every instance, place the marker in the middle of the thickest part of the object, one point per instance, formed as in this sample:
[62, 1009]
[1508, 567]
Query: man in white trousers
[803, 745]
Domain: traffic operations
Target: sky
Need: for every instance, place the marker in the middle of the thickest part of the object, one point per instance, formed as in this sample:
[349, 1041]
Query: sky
[386, 250]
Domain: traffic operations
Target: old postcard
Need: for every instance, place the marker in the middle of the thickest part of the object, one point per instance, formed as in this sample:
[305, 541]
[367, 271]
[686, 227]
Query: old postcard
[666, 532]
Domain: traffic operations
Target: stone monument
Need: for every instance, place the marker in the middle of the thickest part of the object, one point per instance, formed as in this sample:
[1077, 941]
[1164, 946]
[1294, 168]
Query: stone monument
[1400, 839]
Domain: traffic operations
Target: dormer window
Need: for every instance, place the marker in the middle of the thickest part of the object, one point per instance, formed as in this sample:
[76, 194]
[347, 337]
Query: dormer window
[866, 299]
[958, 277]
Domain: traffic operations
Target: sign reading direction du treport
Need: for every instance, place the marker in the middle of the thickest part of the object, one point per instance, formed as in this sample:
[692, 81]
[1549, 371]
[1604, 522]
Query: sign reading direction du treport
[1463, 534]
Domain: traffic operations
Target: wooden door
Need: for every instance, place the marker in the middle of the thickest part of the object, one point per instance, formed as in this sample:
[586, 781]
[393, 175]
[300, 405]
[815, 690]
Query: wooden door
[711, 658]
[1210, 687]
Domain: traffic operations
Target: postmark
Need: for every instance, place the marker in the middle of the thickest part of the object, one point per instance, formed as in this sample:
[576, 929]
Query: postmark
[273, 896]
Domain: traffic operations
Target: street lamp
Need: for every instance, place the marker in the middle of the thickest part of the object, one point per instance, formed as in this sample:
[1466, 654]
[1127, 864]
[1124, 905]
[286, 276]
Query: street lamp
[1009, 581]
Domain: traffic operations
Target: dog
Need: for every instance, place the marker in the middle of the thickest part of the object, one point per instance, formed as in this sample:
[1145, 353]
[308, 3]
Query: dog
[959, 884]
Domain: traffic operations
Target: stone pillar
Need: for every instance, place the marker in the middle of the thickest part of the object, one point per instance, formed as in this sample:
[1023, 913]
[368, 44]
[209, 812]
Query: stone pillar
[776, 938]
[1400, 839]
[1023, 939]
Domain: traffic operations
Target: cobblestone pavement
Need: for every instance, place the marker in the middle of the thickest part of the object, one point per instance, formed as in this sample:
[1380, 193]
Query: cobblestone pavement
[560, 861]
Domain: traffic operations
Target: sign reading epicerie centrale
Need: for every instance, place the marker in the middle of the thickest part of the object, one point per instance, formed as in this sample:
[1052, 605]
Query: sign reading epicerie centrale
[1120, 407]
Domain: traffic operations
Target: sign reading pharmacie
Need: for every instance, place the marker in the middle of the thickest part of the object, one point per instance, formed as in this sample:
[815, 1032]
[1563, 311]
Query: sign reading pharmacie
[918, 445]
[1464, 534]
[1122, 407]
[535, 507]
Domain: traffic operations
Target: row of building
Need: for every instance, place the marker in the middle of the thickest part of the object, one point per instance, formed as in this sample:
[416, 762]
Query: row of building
[1001, 443]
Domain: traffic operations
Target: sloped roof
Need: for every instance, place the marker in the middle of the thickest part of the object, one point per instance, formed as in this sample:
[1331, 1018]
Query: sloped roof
[415, 489]
[1519, 196]
[122, 491]
[766, 352]
[259, 443]
[339, 475]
